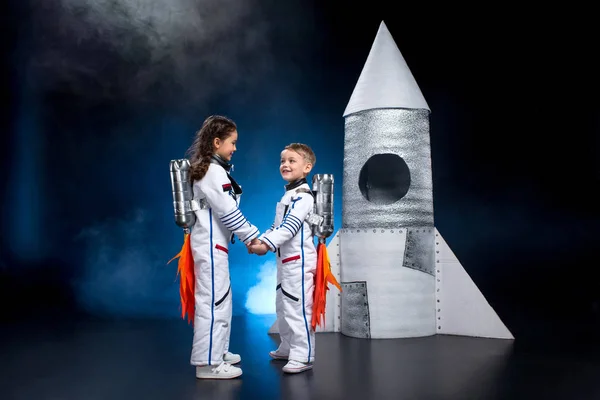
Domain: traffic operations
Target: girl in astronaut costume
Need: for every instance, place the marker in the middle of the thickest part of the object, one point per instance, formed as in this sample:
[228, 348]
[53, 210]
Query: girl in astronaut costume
[291, 238]
[218, 219]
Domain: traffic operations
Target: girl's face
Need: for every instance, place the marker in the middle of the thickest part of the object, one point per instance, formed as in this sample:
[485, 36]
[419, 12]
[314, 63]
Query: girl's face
[226, 148]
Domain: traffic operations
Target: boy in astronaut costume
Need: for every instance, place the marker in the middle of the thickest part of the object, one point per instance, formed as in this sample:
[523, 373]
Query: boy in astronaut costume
[291, 238]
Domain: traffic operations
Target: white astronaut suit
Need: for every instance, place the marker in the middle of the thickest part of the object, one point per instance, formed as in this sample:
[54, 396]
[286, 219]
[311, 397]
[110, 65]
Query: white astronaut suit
[291, 238]
[217, 220]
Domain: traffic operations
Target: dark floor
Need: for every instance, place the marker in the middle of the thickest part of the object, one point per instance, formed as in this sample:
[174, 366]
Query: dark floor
[98, 359]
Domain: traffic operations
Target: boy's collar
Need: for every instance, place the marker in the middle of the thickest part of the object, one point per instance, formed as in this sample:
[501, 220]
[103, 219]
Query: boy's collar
[295, 184]
[217, 159]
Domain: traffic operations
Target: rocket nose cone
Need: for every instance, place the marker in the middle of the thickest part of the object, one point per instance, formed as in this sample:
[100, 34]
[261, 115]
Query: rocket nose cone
[385, 81]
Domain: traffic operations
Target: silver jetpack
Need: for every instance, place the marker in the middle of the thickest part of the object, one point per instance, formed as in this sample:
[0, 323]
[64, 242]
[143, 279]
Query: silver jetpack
[321, 218]
[182, 194]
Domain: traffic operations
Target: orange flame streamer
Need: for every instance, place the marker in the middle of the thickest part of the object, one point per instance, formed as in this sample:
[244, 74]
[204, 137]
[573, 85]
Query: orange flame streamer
[185, 271]
[323, 276]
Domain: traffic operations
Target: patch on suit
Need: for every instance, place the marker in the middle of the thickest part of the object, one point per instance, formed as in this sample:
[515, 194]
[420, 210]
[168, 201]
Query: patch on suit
[226, 187]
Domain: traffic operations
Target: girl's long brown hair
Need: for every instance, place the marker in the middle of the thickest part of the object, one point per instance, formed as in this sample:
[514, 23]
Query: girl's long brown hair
[202, 149]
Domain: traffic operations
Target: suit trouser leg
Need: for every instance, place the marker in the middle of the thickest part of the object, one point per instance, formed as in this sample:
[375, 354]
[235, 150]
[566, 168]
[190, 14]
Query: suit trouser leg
[212, 320]
[228, 331]
[285, 332]
[297, 290]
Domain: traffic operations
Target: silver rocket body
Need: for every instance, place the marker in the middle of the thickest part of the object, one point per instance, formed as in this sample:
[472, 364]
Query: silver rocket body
[387, 168]
[387, 238]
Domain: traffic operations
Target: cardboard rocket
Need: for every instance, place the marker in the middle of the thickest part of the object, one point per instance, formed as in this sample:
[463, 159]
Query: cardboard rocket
[399, 277]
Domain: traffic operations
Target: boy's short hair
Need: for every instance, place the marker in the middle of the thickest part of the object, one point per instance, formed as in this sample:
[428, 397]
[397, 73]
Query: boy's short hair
[305, 151]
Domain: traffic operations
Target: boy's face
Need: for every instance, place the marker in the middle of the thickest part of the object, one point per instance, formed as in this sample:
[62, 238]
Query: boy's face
[226, 148]
[293, 166]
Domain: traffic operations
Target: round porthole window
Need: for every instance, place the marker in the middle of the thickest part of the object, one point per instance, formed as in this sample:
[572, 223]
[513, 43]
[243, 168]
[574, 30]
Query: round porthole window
[384, 179]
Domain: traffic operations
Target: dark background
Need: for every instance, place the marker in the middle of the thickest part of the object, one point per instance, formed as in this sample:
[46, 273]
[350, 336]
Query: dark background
[99, 96]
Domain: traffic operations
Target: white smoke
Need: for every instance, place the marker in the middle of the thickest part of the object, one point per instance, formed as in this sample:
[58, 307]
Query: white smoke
[123, 273]
[167, 19]
[260, 298]
[114, 49]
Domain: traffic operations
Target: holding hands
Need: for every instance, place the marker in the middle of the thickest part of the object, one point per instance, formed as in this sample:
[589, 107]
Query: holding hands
[257, 247]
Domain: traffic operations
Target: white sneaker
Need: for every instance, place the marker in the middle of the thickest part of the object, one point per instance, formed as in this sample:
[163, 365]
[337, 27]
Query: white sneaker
[293, 367]
[231, 358]
[223, 371]
[278, 356]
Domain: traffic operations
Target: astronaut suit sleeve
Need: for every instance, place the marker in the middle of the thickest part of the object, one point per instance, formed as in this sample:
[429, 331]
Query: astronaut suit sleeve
[216, 187]
[300, 207]
[267, 231]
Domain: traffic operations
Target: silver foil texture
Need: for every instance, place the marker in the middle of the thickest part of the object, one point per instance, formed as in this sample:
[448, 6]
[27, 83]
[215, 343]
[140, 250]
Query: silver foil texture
[355, 310]
[419, 250]
[181, 188]
[397, 180]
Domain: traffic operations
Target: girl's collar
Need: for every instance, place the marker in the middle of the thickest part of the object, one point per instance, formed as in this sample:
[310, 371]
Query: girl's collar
[217, 159]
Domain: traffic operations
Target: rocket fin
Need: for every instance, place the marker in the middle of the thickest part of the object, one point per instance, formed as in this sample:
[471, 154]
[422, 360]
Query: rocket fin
[461, 308]
[385, 80]
[332, 321]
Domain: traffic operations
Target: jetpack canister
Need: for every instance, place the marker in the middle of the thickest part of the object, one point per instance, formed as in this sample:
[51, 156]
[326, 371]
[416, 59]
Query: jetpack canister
[323, 191]
[185, 218]
[181, 186]
[322, 187]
